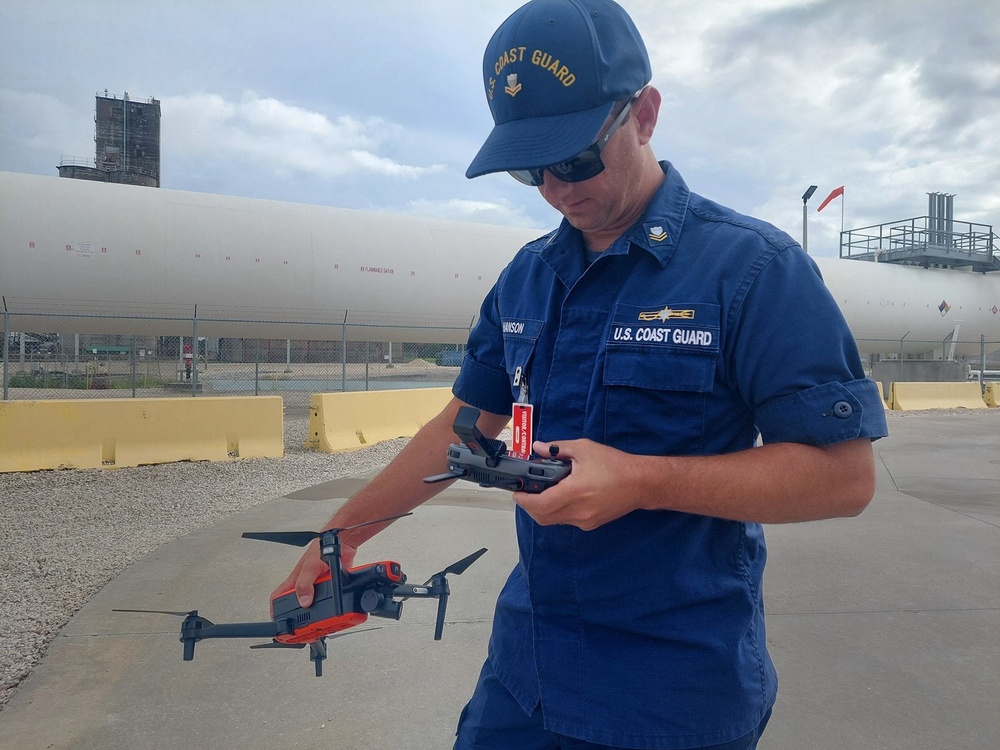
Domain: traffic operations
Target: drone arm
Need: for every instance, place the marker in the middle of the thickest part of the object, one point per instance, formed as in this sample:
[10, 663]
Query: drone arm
[246, 630]
[195, 628]
[427, 591]
[437, 588]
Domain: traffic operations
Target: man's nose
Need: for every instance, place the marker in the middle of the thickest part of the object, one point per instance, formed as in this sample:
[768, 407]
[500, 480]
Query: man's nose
[553, 186]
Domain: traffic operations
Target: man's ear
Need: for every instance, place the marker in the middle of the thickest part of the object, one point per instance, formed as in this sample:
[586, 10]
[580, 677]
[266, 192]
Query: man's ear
[646, 111]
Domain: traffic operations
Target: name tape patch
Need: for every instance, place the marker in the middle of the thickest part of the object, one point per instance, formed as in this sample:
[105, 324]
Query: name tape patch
[691, 326]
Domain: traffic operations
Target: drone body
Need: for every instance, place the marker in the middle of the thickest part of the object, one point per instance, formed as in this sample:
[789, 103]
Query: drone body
[344, 598]
[366, 590]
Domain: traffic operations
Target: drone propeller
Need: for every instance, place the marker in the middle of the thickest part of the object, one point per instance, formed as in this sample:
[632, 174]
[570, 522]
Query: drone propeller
[437, 586]
[459, 567]
[160, 612]
[440, 580]
[302, 538]
[279, 644]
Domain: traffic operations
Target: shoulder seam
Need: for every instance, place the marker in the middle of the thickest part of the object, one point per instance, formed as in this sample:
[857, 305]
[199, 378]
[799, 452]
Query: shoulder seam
[537, 245]
[752, 225]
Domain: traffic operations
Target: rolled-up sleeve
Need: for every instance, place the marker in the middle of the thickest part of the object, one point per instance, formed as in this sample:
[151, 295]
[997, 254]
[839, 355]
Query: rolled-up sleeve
[824, 414]
[805, 382]
[483, 381]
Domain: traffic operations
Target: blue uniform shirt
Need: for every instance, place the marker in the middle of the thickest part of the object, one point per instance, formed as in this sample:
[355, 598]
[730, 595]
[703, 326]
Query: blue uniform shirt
[696, 331]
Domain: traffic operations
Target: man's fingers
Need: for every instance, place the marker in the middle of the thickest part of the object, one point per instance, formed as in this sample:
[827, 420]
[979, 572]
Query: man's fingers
[304, 590]
[308, 572]
[560, 449]
[311, 567]
[548, 450]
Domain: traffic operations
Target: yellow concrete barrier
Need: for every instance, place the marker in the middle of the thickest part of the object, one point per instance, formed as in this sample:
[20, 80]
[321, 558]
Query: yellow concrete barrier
[950, 395]
[117, 432]
[992, 395]
[347, 421]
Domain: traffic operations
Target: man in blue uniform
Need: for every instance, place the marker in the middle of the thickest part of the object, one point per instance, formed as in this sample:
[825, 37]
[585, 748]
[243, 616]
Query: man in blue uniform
[657, 336]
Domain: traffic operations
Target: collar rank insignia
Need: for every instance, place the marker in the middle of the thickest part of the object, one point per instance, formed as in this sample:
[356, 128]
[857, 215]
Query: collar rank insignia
[666, 314]
[657, 234]
[512, 86]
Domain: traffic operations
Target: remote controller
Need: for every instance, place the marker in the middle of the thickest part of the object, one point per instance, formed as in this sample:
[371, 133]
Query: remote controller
[485, 461]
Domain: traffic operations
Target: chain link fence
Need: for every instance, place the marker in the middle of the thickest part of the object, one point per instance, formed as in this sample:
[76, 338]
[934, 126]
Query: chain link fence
[107, 365]
[352, 354]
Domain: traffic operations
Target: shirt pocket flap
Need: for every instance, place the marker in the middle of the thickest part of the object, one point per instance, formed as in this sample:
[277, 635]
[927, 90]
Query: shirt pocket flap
[661, 369]
[519, 340]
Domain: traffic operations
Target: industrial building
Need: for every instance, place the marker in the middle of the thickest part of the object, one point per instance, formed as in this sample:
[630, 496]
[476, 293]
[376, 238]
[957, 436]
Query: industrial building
[127, 143]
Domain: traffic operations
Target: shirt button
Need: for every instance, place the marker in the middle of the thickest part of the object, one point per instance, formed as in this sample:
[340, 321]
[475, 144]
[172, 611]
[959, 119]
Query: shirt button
[842, 410]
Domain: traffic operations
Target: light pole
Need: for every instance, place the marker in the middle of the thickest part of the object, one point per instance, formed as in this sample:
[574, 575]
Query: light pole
[805, 226]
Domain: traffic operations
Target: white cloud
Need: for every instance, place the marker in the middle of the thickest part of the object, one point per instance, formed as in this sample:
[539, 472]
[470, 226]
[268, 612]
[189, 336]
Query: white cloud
[44, 125]
[281, 138]
[488, 212]
[364, 106]
[369, 162]
[760, 101]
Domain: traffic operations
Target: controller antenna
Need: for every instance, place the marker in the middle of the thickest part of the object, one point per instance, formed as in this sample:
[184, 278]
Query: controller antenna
[468, 432]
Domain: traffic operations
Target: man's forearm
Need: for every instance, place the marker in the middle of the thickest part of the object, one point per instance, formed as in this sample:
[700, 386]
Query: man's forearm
[399, 488]
[779, 483]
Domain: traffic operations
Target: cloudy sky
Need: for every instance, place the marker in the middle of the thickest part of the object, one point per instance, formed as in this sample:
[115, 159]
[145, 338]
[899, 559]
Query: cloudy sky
[380, 105]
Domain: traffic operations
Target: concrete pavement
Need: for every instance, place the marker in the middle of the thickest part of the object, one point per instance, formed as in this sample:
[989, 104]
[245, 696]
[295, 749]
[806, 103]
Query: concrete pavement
[885, 628]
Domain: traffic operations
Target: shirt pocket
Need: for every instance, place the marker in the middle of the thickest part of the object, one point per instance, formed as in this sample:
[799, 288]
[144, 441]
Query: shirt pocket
[658, 376]
[519, 342]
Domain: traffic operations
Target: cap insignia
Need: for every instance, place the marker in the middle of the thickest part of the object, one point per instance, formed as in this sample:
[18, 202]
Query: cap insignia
[512, 86]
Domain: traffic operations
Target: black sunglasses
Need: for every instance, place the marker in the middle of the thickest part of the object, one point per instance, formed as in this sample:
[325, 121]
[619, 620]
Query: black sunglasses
[583, 166]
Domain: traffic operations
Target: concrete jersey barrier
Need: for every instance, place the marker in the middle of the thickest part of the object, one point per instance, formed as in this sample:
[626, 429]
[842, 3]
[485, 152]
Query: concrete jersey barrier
[117, 432]
[992, 394]
[352, 420]
[950, 395]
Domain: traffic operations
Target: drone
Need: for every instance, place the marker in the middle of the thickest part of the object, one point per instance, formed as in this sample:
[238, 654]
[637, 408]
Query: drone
[344, 598]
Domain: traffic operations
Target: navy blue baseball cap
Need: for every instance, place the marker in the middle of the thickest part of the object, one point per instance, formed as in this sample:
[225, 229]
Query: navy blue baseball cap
[553, 72]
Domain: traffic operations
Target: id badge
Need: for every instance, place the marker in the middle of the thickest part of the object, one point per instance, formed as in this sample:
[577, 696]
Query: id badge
[522, 429]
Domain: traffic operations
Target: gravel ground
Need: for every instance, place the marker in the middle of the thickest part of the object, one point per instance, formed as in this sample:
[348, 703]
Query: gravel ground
[65, 534]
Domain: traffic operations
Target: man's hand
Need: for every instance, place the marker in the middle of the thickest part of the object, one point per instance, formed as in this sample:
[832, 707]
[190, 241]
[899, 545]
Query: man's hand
[398, 488]
[594, 493]
[310, 567]
[773, 483]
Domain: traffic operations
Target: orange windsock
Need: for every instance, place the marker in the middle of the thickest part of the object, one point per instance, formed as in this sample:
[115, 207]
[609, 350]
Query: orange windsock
[835, 194]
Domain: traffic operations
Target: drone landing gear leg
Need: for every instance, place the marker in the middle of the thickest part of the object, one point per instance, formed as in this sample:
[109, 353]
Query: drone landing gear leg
[317, 653]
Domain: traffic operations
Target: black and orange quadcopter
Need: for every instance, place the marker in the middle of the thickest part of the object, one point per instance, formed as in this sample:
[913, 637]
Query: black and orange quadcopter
[344, 598]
